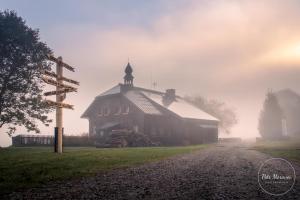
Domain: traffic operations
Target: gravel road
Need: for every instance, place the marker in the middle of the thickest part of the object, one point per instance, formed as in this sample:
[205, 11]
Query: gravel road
[219, 172]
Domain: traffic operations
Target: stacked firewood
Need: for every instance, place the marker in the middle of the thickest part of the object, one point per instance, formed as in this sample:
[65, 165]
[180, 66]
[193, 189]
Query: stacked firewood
[117, 138]
[126, 138]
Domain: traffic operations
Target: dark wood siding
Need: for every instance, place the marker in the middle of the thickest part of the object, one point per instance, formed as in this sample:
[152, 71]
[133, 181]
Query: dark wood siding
[99, 117]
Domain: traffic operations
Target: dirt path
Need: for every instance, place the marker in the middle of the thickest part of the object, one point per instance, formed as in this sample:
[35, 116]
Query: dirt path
[221, 172]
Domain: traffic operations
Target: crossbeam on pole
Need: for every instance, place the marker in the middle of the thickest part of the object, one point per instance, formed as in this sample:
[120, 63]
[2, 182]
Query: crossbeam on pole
[58, 61]
[59, 105]
[52, 74]
[66, 90]
[56, 83]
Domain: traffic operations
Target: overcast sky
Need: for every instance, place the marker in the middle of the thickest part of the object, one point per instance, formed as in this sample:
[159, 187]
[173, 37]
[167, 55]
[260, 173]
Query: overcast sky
[229, 50]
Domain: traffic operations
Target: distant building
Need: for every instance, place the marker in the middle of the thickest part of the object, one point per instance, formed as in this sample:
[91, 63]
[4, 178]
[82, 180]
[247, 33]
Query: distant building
[32, 140]
[48, 140]
[289, 102]
[165, 117]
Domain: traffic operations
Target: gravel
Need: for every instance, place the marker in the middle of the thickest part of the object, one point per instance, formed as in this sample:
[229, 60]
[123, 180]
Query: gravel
[219, 172]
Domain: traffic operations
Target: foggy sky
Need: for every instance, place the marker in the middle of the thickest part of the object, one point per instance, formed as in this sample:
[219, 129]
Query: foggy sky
[229, 50]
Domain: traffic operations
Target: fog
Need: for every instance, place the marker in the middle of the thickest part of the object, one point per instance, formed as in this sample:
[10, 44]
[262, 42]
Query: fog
[233, 51]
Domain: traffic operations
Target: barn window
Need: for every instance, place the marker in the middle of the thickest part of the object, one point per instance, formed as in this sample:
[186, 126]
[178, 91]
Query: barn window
[118, 110]
[106, 111]
[125, 110]
[153, 130]
[100, 112]
[101, 133]
[136, 128]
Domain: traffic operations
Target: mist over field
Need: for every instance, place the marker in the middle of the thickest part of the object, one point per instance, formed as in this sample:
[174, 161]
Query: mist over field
[233, 51]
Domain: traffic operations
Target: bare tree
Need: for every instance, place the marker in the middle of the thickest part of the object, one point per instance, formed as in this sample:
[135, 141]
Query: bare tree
[218, 109]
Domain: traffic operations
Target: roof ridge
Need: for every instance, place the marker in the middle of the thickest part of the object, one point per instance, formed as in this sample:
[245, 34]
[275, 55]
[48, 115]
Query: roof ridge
[148, 90]
[155, 91]
[288, 90]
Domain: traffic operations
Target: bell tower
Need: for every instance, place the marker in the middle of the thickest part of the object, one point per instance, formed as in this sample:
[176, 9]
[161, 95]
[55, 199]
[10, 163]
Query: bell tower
[128, 78]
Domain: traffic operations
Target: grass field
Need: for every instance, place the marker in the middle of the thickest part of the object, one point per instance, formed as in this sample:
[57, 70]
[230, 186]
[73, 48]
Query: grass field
[282, 149]
[28, 167]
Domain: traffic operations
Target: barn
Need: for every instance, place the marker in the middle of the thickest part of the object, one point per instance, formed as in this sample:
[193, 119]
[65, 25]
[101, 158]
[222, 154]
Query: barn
[164, 117]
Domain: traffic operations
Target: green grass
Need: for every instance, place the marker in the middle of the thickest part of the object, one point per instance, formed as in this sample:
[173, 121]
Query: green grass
[282, 149]
[25, 167]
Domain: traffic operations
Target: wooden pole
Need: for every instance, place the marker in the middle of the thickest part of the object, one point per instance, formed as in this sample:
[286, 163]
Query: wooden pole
[60, 92]
[59, 109]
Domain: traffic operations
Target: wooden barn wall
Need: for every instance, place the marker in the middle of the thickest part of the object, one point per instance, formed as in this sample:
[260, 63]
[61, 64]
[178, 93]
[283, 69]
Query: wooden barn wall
[166, 129]
[198, 134]
[134, 118]
[171, 130]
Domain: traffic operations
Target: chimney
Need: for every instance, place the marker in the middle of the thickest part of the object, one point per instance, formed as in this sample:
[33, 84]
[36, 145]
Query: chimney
[169, 97]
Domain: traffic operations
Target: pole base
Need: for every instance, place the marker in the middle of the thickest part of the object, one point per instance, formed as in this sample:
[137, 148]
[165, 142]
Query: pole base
[56, 139]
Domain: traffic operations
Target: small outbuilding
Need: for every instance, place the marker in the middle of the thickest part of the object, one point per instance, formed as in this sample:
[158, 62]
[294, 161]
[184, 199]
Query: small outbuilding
[32, 140]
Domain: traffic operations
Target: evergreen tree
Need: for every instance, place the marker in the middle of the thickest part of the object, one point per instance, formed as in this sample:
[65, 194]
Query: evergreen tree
[270, 120]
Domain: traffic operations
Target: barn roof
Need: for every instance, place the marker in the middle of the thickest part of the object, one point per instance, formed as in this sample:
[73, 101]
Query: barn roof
[142, 102]
[114, 90]
[151, 102]
[181, 107]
